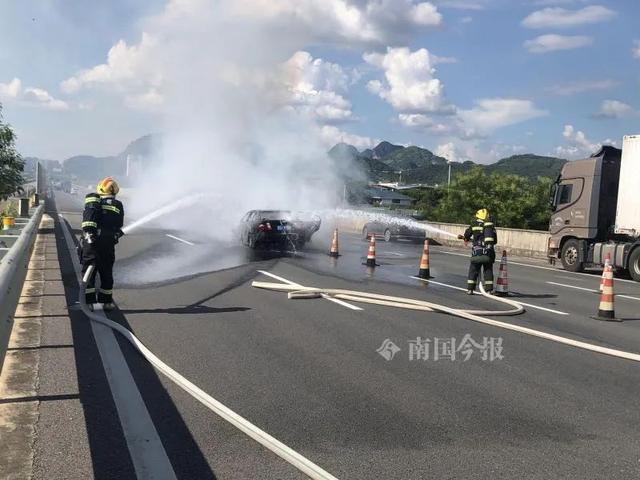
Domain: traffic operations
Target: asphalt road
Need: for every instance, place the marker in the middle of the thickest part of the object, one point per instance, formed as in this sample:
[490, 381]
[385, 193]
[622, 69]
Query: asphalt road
[308, 373]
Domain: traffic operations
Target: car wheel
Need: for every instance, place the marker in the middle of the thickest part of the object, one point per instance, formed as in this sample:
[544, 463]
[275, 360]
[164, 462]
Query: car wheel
[387, 235]
[634, 264]
[365, 234]
[570, 256]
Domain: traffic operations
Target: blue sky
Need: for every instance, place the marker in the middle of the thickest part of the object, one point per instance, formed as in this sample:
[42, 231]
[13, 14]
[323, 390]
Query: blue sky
[469, 79]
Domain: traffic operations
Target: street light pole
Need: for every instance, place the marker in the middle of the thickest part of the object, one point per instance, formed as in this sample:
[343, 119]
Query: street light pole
[449, 179]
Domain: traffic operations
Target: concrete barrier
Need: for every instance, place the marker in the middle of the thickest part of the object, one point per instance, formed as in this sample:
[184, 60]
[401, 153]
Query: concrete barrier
[13, 270]
[527, 243]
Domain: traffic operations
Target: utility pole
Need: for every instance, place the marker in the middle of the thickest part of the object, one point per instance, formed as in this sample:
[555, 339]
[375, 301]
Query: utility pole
[449, 179]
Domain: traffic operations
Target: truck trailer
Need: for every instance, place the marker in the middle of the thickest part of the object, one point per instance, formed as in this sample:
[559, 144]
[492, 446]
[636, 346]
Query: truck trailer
[596, 210]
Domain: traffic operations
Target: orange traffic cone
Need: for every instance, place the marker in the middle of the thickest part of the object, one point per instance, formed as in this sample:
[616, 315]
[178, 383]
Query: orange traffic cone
[333, 252]
[371, 254]
[424, 262]
[607, 262]
[605, 310]
[502, 285]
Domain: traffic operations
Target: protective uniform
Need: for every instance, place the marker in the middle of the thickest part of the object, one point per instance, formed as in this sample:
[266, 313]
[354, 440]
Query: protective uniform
[91, 217]
[109, 231]
[483, 237]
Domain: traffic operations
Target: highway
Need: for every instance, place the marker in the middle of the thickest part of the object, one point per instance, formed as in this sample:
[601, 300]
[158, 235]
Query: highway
[308, 372]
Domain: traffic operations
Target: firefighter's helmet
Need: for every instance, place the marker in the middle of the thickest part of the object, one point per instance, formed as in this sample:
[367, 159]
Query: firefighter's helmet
[482, 214]
[108, 186]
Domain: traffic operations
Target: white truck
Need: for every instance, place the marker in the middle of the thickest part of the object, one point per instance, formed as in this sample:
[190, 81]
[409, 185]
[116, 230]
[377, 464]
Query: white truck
[596, 210]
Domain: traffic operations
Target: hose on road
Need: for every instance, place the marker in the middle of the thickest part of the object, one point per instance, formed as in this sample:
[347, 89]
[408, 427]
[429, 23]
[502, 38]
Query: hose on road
[298, 291]
[303, 464]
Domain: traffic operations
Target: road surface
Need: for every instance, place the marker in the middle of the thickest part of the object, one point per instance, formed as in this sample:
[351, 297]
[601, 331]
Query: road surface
[308, 371]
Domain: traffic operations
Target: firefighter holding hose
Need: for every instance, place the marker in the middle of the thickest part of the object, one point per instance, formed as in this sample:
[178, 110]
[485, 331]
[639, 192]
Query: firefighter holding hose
[482, 234]
[102, 221]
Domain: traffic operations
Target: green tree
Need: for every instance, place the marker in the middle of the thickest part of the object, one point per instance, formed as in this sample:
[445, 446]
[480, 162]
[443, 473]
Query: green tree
[512, 200]
[11, 164]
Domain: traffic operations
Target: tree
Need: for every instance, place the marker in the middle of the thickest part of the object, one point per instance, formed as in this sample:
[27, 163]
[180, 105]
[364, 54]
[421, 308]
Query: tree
[512, 200]
[11, 164]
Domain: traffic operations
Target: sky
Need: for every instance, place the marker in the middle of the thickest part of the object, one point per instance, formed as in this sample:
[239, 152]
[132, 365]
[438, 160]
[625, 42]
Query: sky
[468, 79]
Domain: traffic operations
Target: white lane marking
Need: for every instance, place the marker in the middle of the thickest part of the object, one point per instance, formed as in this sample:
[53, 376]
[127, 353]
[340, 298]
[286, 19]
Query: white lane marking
[283, 451]
[557, 312]
[149, 458]
[325, 296]
[618, 295]
[180, 239]
[574, 287]
[573, 279]
[557, 270]
[627, 296]
[396, 254]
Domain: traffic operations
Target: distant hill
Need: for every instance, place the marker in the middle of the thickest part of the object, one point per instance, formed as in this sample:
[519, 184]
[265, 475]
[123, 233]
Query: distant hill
[529, 165]
[90, 168]
[388, 162]
[384, 162]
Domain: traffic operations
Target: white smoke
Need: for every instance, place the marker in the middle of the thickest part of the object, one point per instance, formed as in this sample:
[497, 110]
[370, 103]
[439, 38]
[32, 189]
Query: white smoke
[229, 125]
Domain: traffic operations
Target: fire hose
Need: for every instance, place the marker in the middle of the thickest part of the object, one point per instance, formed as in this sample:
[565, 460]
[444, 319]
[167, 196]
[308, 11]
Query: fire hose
[303, 464]
[302, 292]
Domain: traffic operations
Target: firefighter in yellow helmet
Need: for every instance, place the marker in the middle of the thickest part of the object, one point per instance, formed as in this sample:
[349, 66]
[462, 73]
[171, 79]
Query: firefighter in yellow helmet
[103, 218]
[482, 234]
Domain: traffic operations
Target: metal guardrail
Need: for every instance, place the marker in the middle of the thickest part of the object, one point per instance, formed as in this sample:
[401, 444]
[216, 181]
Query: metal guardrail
[13, 270]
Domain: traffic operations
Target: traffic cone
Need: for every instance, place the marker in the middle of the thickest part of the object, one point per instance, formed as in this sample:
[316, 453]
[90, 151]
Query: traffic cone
[333, 252]
[424, 262]
[607, 262]
[502, 285]
[605, 310]
[371, 254]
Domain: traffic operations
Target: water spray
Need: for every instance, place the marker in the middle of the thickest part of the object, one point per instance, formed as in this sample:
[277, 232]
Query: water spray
[171, 207]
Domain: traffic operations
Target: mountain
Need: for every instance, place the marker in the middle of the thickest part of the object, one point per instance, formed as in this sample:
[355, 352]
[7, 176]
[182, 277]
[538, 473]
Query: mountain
[388, 162]
[411, 158]
[351, 164]
[385, 148]
[529, 165]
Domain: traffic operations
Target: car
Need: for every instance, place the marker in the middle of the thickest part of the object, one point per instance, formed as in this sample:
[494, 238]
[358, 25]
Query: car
[394, 228]
[280, 229]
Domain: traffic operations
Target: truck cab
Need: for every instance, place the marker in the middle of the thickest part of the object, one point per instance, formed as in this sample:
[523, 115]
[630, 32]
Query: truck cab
[588, 206]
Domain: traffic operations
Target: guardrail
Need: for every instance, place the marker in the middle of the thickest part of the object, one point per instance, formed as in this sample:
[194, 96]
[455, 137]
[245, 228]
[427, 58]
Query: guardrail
[13, 270]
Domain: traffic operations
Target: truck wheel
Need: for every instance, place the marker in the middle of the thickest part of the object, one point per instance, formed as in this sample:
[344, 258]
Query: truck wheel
[634, 264]
[570, 256]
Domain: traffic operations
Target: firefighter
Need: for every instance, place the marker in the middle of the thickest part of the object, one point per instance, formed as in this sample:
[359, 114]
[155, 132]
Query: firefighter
[91, 216]
[483, 237]
[110, 217]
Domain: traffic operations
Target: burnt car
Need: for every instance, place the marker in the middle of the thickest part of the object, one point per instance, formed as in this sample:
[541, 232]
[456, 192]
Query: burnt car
[277, 229]
[394, 228]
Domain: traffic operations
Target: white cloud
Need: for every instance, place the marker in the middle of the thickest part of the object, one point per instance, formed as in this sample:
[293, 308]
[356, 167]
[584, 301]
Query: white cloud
[551, 43]
[410, 85]
[636, 49]
[364, 21]
[462, 4]
[316, 87]
[127, 68]
[574, 88]
[614, 109]
[493, 113]
[555, 17]
[331, 135]
[451, 152]
[578, 144]
[13, 92]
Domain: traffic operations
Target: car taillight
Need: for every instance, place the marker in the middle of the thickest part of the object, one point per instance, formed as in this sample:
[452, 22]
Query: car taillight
[264, 227]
